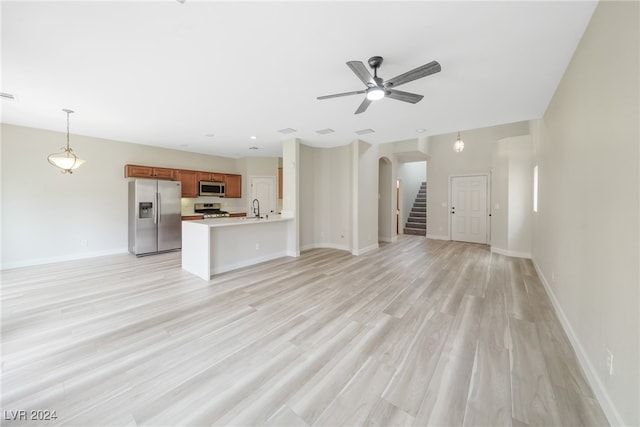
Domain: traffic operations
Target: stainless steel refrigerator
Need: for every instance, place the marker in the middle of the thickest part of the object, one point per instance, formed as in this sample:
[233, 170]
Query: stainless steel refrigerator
[155, 217]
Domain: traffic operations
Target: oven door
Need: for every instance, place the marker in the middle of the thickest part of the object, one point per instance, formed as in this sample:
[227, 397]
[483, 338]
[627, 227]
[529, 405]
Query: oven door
[212, 188]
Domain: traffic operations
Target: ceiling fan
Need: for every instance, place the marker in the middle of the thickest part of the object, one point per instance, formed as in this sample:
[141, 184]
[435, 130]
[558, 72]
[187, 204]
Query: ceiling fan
[378, 88]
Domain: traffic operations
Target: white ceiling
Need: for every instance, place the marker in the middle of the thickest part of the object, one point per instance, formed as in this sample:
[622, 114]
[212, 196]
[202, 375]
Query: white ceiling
[167, 74]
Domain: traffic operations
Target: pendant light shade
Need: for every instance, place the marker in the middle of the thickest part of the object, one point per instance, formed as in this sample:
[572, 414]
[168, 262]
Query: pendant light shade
[458, 146]
[66, 159]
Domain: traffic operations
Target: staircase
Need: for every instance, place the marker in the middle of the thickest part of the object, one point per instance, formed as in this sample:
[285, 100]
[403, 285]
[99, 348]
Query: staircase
[417, 221]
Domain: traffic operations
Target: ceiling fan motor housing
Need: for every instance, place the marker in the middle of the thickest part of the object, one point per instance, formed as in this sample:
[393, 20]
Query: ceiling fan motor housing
[375, 61]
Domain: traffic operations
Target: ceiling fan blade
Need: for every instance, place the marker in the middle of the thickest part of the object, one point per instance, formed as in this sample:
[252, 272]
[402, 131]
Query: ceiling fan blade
[361, 71]
[417, 73]
[363, 107]
[403, 96]
[355, 92]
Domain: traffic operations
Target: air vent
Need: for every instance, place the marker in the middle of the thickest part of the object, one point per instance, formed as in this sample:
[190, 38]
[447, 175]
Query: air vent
[9, 96]
[364, 131]
[287, 130]
[325, 131]
[253, 148]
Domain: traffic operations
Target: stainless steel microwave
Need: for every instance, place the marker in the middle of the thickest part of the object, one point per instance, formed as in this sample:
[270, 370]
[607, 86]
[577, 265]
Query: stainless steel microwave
[211, 188]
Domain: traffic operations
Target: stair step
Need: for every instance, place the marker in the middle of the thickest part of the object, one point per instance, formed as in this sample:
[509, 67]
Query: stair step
[417, 219]
[419, 225]
[415, 232]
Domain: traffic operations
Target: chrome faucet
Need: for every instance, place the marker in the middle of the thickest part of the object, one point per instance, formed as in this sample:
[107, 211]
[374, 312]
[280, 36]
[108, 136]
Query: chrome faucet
[255, 204]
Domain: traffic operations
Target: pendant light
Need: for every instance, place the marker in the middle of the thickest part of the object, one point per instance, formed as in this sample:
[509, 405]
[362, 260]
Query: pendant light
[66, 159]
[458, 146]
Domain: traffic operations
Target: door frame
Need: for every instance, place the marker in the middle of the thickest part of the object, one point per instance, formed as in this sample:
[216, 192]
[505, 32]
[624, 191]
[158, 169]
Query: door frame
[449, 201]
[275, 191]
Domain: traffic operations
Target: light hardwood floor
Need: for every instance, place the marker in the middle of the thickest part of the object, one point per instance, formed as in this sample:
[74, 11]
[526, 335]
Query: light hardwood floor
[418, 332]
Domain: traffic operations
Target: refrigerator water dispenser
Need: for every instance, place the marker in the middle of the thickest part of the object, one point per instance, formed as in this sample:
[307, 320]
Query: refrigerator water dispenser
[146, 210]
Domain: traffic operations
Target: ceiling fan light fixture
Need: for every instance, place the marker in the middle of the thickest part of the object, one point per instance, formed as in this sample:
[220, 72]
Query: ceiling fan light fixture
[375, 93]
[458, 146]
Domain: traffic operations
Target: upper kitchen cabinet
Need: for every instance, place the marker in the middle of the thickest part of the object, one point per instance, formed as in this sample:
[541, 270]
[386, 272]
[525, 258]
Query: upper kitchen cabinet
[189, 181]
[135, 171]
[210, 177]
[233, 186]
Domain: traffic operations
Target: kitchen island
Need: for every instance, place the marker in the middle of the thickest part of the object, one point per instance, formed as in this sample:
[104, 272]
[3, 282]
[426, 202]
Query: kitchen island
[213, 246]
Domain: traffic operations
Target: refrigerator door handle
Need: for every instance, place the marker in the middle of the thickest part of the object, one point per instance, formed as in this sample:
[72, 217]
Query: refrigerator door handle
[155, 210]
[159, 212]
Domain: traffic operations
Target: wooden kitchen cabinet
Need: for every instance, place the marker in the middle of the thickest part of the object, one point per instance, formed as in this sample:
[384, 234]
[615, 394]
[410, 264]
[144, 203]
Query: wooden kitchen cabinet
[189, 179]
[233, 186]
[204, 176]
[210, 176]
[279, 183]
[136, 171]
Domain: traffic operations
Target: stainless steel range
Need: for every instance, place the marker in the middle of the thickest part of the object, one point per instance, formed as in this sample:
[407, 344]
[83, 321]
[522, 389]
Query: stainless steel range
[209, 210]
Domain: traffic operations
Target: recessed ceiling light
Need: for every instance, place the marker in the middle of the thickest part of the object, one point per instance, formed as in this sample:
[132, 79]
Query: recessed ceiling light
[253, 137]
[253, 148]
[325, 131]
[364, 131]
[421, 130]
[287, 130]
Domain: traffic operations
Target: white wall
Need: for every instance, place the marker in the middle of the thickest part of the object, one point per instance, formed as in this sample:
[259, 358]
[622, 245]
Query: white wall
[477, 157]
[512, 196]
[46, 215]
[364, 197]
[411, 175]
[520, 196]
[500, 198]
[386, 198]
[291, 178]
[586, 231]
[325, 197]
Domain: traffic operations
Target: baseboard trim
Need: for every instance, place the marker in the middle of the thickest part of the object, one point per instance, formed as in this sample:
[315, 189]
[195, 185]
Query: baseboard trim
[608, 407]
[437, 237]
[514, 254]
[62, 258]
[365, 249]
[325, 246]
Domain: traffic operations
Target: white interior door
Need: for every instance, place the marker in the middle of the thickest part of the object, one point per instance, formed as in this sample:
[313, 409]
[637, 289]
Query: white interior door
[263, 188]
[469, 215]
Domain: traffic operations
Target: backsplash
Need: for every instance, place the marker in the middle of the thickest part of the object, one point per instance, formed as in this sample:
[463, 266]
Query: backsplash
[229, 205]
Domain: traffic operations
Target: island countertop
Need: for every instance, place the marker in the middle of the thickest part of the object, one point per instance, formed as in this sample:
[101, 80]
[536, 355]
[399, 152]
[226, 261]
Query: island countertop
[216, 245]
[244, 220]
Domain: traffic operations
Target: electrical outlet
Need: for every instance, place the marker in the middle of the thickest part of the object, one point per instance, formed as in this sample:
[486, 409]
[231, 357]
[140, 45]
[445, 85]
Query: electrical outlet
[257, 246]
[610, 362]
[84, 242]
